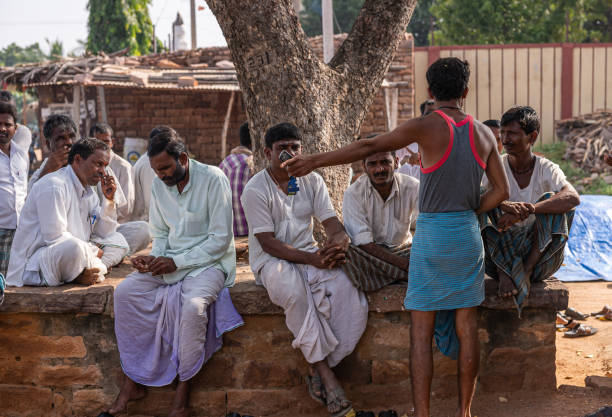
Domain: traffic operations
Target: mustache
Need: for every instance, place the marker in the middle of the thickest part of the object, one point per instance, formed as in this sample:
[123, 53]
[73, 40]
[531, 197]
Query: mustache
[381, 175]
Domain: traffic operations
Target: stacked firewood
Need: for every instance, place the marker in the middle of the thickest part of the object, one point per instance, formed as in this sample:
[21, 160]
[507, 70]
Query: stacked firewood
[589, 137]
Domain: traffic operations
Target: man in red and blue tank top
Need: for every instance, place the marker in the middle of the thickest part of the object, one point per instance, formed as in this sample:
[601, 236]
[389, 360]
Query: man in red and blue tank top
[446, 277]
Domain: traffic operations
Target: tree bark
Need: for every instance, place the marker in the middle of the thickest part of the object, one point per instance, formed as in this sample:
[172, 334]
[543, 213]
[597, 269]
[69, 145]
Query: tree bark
[282, 80]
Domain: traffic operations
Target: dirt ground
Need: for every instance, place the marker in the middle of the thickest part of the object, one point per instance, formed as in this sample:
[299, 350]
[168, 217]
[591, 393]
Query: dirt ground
[576, 359]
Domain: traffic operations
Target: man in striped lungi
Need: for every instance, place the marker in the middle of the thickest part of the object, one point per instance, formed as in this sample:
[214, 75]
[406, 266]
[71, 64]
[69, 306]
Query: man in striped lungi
[379, 209]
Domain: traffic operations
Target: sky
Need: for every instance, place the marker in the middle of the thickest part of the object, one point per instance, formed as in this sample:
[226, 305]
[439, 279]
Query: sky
[27, 21]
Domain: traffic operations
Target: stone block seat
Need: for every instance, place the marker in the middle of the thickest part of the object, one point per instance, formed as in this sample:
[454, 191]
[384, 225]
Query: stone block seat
[58, 354]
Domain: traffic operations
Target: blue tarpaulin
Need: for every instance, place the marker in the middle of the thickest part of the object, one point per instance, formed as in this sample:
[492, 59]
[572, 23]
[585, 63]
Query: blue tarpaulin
[588, 254]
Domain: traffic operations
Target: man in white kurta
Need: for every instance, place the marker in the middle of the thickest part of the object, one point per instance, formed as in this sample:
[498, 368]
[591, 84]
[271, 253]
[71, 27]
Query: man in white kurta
[192, 261]
[52, 243]
[378, 211]
[136, 233]
[325, 312]
[143, 176]
[14, 164]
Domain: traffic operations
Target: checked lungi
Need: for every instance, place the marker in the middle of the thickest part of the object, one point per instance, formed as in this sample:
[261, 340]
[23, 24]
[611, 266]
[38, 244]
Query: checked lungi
[446, 271]
[506, 250]
[369, 273]
[6, 240]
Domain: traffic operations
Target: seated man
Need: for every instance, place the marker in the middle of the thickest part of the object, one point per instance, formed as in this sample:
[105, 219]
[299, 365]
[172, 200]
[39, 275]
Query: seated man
[143, 176]
[238, 166]
[52, 243]
[494, 126]
[378, 210]
[136, 233]
[14, 163]
[525, 236]
[192, 262]
[325, 312]
[60, 132]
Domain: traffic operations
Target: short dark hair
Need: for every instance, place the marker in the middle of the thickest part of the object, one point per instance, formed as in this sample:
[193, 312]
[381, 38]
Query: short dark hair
[58, 120]
[85, 148]
[100, 128]
[526, 117]
[245, 135]
[423, 104]
[448, 78]
[492, 123]
[6, 95]
[282, 131]
[6, 107]
[168, 141]
[159, 129]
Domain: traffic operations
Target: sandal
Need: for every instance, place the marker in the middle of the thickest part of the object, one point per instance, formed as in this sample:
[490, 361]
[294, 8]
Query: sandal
[315, 383]
[605, 317]
[338, 397]
[580, 331]
[563, 323]
[575, 314]
[605, 310]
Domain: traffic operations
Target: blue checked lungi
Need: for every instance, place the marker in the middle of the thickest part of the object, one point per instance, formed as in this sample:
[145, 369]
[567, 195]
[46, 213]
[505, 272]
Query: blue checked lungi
[6, 240]
[446, 271]
[506, 250]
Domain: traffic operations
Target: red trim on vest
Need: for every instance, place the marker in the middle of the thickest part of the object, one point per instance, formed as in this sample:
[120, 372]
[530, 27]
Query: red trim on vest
[449, 148]
[482, 164]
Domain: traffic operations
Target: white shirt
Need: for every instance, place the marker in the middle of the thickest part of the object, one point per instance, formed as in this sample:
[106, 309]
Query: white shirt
[368, 218]
[547, 176]
[59, 207]
[13, 184]
[123, 173]
[289, 217]
[407, 169]
[23, 137]
[143, 176]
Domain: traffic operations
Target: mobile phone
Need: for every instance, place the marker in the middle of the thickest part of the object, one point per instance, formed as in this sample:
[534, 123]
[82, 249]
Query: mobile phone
[284, 156]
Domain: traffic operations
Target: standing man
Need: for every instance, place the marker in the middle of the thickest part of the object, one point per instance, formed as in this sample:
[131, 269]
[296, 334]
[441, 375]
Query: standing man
[526, 235]
[23, 135]
[378, 210]
[409, 156]
[14, 164]
[192, 261]
[136, 233]
[61, 214]
[238, 167]
[325, 312]
[446, 278]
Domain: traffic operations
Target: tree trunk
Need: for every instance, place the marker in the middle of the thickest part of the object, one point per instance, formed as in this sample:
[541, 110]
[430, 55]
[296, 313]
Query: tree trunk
[282, 80]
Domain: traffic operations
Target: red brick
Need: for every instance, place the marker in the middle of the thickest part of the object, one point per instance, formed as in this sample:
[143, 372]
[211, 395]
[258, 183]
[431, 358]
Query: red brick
[18, 399]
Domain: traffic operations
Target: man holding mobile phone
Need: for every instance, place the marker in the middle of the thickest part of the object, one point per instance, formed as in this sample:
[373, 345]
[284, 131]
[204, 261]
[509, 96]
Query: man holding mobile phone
[325, 312]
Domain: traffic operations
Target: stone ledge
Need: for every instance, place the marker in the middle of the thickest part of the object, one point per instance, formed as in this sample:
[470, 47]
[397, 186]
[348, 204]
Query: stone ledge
[248, 297]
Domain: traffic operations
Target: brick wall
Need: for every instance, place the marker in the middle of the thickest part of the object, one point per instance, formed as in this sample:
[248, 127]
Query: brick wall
[197, 116]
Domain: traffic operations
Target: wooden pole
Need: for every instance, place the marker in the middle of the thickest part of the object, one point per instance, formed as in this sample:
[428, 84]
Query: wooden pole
[193, 25]
[328, 30]
[102, 99]
[228, 115]
[76, 106]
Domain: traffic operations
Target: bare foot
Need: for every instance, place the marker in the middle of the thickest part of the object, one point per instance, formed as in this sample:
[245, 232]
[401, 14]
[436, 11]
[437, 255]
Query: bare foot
[89, 276]
[336, 399]
[181, 412]
[129, 391]
[505, 286]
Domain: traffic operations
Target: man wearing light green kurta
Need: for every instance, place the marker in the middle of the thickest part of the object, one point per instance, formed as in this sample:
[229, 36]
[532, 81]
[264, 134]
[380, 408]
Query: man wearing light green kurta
[191, 227]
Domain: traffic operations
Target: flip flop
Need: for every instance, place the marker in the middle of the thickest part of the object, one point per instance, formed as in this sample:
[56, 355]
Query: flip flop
[313, 381]
[388, 413]
[365, 414]
[604, 317]
[338, 396]
[580, 331]
[563, 323]
[603, 311]
[575, 314]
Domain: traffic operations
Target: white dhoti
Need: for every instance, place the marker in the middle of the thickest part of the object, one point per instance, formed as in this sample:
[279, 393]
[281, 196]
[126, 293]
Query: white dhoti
[161, 329]
[136, 234]
[61, 263]
[325, 312]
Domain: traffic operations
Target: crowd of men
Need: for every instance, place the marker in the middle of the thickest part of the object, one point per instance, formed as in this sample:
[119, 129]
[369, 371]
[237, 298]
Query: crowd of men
[440, 174]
